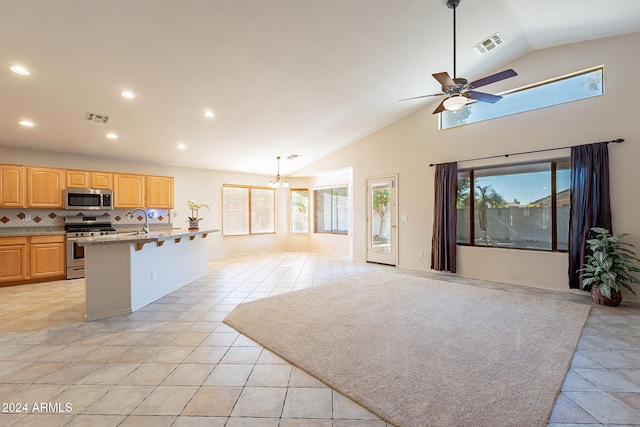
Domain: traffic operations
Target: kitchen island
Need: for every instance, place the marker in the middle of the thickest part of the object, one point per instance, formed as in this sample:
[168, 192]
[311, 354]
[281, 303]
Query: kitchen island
[125, 272]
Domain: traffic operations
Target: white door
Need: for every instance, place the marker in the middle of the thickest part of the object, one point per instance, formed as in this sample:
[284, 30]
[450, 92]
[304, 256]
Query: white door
[382, 233]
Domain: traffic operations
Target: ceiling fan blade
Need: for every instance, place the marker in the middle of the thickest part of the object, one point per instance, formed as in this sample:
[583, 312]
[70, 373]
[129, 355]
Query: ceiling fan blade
[422, 96]
[484, 97]
[445, 79]
[492, 78]
[440, 108]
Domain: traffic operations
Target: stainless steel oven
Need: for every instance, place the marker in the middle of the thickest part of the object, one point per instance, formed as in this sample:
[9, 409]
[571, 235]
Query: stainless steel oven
[82, 226]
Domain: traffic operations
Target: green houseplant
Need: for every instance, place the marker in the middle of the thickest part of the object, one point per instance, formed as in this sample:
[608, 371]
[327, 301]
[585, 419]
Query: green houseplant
[606, 270]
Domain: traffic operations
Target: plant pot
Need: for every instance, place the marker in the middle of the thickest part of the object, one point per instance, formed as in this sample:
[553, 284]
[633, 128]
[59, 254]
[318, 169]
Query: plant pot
[598, 298]
[194, 225]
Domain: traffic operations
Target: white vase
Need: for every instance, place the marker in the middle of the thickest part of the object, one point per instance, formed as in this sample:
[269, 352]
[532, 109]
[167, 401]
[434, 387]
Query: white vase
[194, 225]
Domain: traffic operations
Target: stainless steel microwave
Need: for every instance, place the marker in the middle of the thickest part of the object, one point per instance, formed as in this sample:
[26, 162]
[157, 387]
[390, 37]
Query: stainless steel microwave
[85, 199]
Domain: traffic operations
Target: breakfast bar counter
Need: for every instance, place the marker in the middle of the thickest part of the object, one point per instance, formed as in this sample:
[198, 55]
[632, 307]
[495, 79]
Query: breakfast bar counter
[125, 272]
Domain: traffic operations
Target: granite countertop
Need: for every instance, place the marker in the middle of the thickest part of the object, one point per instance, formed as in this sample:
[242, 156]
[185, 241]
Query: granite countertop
[154, 236]
[30, 231]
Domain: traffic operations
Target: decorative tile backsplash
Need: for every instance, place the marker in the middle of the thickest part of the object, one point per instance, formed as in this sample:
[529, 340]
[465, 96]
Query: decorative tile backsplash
[16, 217]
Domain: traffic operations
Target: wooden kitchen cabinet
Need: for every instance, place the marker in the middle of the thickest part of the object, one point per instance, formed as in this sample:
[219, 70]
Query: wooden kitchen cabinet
[13, 259]
[47, 256]
[159, 192]
[44, 187]
[128, 190]
[102, 180]
[77, 179]
[13, 186]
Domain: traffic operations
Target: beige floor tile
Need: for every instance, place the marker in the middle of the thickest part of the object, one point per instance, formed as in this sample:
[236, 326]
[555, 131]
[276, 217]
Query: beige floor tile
[49, 420]
[120, 400]
[190, 339]
[38, 393]
[206, 355]
[269, 376]
[149, 374]
[103, 353]
[171, 355]
[184, 421]
[189, 374]
[110, 373]
[308, 403]
[242, 355]
[147, 421]
[81, 396]
[300, 378]
[213, 401]
[137, 353]
[33, 372]
[252, 422]
[166, 400]
[96, 421]
[345, 408]
[305, 423]
[229, 375]
[220, 339]
[260, 402]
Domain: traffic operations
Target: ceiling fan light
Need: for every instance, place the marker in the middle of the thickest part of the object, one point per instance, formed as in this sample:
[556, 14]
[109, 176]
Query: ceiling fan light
[454, 103]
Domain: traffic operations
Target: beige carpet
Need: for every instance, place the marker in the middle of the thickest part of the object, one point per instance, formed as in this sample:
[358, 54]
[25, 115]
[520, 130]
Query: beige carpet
[420, 352]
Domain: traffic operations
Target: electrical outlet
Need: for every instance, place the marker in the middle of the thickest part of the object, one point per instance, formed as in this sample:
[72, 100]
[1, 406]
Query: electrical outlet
[153, 275]
[28, 217]
[420, 254]
[175, 214]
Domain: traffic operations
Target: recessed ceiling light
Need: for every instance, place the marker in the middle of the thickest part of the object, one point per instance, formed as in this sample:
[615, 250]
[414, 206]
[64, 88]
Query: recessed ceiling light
[112, 135]
[181, 146]
[128, 94]
[20, 70]
[208, 114]
[26, 123]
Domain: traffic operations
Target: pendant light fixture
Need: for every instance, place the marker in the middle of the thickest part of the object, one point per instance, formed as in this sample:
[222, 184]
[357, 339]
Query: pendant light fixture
[278, 181]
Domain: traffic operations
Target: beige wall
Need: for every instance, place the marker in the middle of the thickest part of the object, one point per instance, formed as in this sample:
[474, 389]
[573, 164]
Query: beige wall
[408, 146]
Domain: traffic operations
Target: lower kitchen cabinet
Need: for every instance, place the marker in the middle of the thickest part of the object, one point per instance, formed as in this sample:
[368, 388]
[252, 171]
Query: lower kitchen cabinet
[28, 259]
[47, 256]
[13, 259]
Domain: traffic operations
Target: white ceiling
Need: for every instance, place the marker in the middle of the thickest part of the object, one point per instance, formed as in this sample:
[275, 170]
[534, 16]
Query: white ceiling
[282, 76]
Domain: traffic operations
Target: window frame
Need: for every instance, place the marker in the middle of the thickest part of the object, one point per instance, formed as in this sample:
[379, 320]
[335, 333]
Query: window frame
[292, 190]
[249, 212]
[553, 205]
[315, 207]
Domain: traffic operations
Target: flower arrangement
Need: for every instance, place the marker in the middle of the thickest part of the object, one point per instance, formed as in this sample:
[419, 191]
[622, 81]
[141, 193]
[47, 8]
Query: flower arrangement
[194, 209]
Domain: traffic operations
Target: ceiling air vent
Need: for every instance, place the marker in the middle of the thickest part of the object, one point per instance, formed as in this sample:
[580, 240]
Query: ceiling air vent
[99, 118]
[293, 156]
[489, 44]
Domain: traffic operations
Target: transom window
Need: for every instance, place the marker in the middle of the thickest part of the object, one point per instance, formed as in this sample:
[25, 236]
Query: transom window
[248, 210]
[580, 85]
[519, 206]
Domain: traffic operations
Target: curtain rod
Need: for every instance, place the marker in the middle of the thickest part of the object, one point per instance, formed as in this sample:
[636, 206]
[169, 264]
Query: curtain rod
[616, 141]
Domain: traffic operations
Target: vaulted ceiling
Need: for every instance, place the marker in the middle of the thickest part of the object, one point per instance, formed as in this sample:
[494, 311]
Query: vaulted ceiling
[282, 77]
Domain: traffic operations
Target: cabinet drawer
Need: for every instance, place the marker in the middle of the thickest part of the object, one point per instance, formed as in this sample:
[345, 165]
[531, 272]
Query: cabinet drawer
[54, 238]
[7, 241]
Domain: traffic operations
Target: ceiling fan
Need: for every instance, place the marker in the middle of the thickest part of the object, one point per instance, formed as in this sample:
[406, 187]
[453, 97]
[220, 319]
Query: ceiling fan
[457, 90]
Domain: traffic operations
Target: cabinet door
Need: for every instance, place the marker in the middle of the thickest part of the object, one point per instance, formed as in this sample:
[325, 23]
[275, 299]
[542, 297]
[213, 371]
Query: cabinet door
[12, 186]
[44, 187]
[47, 256]
[159, 192]
[128, 191]
[102, 180]
[77, 179]
[13, 259]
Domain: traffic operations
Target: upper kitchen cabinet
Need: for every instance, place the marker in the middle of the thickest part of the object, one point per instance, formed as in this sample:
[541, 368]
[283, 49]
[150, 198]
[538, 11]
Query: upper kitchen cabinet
[44, 187]
[159, 192]
[102, 180]
[77, 179]
[12, 186]
[128, 190]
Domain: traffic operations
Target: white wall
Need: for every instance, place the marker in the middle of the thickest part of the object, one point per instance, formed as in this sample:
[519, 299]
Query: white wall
[408, 146]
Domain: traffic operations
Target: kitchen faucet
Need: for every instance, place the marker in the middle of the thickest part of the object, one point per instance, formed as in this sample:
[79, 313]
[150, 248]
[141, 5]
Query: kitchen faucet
[146, 219]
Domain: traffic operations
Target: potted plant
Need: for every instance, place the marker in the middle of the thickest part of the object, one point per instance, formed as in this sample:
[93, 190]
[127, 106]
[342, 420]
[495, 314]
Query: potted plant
[606, 270]
[193, 219]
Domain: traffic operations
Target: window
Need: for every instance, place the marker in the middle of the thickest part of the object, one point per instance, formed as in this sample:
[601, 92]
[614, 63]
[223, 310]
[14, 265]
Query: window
[331, 206]
[299, 210]
[248, 210]
[519, 206]
[576, 86]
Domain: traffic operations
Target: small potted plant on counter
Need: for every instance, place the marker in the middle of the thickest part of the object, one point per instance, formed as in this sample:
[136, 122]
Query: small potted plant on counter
[606, 270]
[193, 219]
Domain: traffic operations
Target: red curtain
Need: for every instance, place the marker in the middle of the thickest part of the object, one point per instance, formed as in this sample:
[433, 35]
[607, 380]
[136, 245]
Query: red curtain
[443, 242]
